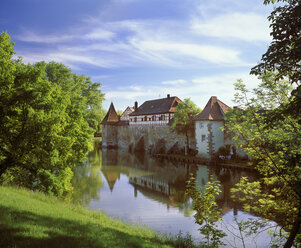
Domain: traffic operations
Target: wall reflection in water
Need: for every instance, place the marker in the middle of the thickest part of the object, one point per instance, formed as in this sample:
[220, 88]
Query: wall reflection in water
[165, 181]
[138, 188]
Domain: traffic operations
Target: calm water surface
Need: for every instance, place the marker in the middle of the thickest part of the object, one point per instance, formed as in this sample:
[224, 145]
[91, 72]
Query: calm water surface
[140, 189]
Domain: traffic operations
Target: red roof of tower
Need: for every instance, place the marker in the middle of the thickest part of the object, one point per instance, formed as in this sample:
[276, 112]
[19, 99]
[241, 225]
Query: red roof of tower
[213, 111]
[111, 117]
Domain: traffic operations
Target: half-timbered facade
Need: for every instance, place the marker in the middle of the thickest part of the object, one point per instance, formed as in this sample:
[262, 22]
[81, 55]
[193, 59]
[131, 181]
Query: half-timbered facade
[154, 112]
[125, 115]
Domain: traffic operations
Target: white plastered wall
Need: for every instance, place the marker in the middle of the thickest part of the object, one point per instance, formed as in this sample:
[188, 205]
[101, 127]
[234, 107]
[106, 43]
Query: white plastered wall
[209, 138]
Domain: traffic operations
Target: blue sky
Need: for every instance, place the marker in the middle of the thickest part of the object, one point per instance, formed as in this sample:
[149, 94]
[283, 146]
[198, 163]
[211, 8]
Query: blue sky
[145, 49]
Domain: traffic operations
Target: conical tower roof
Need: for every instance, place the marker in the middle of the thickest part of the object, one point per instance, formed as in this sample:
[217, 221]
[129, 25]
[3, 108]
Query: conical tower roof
[111, 117]
[213, 111]
[111, 175]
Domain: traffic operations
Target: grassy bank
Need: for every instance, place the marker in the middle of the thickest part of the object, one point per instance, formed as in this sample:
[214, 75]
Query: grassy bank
[32, 219]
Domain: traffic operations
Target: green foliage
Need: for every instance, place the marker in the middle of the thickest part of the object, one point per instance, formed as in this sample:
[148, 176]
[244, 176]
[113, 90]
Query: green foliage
[87, 180]
[47, 115]
[55, 183]
[184, 241]
[207, 211]
[272, 138]
[283, 54]
[119, 112]
[183, 118]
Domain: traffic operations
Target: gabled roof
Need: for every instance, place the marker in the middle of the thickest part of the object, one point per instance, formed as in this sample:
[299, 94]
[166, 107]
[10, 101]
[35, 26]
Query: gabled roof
[213, 111]
[158, 106]
[111, 117]
[125, 115]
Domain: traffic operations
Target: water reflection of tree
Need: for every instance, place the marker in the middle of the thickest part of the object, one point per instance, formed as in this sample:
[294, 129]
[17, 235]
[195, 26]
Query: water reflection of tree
[87, 180]
[227, 178]
[165, 181]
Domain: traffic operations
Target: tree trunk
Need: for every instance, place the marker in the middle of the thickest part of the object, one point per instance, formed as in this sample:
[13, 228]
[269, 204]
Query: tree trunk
[294, 231]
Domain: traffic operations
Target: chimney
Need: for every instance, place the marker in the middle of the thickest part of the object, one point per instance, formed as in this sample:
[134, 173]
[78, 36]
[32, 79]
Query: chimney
[168, 95]
[136, 105]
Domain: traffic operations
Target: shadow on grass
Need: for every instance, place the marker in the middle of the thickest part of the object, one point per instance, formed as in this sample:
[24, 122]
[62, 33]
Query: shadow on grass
[25, 229]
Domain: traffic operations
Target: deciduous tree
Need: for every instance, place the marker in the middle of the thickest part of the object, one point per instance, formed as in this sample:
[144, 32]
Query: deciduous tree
[183, 118]
[46, 122]
[274, 145]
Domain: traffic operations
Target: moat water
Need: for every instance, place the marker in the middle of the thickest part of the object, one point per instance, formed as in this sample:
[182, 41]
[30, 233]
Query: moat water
[141, 189]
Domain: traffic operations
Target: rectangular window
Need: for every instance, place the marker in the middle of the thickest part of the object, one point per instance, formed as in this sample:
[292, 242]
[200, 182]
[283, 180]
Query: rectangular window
[203, 137]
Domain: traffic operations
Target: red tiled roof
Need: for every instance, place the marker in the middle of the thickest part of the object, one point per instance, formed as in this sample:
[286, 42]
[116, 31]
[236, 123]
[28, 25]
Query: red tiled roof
[111, 117]
[214, 110]
[158, 106]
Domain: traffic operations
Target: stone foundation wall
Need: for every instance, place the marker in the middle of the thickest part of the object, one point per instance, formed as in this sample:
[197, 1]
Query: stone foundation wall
[125, 136]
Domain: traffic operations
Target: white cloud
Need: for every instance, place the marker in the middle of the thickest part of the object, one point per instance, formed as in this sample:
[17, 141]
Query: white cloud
[29, 36]
[243, 26]
[73, 35]
[71, 59]
[151, 42]
[199, 89]
[176, 52]
[99, 34]
[180, 43]
[135, 88]
[174, 82]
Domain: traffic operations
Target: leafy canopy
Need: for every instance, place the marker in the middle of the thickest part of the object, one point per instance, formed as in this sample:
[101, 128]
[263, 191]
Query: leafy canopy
[47, 118]
[183, 118]
[274, 144]
[207, 211]
[284, 52]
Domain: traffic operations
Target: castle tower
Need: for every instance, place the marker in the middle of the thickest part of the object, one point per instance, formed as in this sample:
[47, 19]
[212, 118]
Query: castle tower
[209, 137]
[109, 130]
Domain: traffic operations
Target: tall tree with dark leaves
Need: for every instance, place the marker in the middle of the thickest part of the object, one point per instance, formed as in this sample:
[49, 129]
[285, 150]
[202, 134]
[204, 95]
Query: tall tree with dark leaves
[284, 52]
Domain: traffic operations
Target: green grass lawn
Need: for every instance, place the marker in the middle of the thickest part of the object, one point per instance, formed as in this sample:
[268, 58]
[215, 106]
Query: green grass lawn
[32, 219]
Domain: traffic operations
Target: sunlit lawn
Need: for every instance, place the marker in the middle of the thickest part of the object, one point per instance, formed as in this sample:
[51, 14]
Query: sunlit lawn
[30, 219]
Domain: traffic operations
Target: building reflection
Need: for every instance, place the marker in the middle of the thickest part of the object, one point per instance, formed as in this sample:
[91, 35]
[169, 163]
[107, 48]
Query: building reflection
[165, 181]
